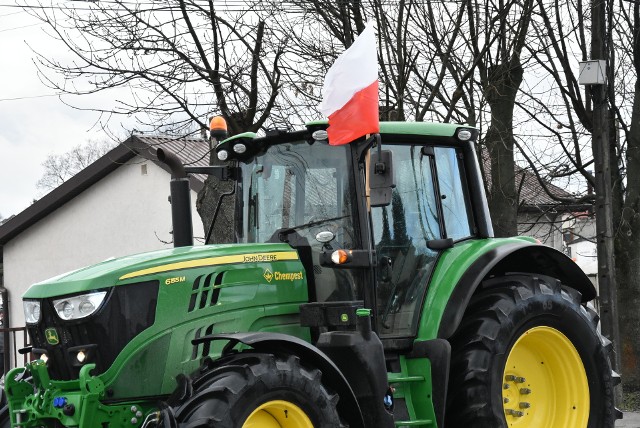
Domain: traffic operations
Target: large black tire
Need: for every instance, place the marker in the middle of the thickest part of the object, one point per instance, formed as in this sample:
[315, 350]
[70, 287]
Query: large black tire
[509, 308]
[227, 393]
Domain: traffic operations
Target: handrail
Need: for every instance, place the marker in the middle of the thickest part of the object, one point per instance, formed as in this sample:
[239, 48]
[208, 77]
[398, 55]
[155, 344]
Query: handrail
[11, 356]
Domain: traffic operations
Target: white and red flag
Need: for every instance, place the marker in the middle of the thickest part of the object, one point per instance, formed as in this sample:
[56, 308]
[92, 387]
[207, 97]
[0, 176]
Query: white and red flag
[350, 91]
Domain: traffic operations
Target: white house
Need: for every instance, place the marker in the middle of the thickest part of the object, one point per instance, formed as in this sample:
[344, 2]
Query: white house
[579, 236]
[540, 212]
[117, 206]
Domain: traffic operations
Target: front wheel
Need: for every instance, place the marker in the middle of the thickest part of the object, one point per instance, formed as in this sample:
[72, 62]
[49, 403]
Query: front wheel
[527, 354]
[259, 391]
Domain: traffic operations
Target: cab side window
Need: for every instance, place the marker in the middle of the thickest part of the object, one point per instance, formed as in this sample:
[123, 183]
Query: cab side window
[455, 209]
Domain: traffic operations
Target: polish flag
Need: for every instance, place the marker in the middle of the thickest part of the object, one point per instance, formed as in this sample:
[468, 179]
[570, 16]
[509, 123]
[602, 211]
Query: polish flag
[350, 91]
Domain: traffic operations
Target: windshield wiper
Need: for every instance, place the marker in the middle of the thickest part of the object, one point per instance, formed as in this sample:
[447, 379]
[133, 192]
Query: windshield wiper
[282, 233]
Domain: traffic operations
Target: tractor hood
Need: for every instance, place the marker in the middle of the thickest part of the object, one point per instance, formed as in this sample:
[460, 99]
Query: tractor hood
[144, 266]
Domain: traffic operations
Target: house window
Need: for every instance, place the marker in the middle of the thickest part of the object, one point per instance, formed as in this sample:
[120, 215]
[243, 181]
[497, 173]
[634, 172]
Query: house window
[567, 236]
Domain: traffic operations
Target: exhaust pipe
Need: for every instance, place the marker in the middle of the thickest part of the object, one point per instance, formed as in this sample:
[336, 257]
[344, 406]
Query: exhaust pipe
[180, 199]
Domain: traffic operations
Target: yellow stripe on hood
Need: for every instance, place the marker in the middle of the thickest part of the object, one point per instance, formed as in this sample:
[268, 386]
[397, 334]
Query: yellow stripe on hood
[213, 261]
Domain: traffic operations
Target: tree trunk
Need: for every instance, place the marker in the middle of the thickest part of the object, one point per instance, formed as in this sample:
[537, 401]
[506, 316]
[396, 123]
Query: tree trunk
[214, 189]
[627, 253]
[501, 87]
[209, 197]
[208, 200]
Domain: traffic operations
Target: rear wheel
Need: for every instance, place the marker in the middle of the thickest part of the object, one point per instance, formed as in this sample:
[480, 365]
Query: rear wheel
[544, 374]
[527, 354]
[259, 390]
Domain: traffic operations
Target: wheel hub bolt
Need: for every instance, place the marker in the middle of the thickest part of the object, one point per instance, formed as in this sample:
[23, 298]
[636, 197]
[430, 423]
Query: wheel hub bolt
[510, 377]
[519, 379]
[525, 391]
[516, 413]
[506, 386]
[524, 405]
[506, 400]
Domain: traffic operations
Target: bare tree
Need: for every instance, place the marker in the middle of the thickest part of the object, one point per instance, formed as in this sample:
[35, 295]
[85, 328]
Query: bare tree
[181, 60]
[501, 31]
[420, 79]
[58, 168]
[626, 31]
[563, 113]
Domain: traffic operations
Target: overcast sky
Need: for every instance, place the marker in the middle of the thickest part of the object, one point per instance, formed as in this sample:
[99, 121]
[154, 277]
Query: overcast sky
[33, 121]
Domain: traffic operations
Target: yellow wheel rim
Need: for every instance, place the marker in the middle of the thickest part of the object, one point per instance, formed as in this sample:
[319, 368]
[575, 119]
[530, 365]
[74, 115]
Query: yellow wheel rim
[545, 384]
[278, 414]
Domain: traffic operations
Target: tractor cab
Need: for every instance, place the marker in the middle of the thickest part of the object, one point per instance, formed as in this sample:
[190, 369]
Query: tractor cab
[368, 218]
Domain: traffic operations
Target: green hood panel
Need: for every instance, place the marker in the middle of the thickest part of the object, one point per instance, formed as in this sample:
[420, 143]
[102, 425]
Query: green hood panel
[140, 267]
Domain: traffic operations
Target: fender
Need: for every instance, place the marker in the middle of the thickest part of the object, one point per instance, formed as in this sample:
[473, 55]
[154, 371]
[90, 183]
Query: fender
[522, 257]
[348, 406]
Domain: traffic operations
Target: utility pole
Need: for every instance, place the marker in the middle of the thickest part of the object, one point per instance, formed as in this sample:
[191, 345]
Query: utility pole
[603, 187]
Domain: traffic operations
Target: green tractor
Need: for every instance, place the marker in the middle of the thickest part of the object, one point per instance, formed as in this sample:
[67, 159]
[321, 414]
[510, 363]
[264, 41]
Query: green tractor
[364, 289]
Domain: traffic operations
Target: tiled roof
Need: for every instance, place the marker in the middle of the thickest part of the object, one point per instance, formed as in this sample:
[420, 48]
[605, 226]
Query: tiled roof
[532, 194]
[191, 151]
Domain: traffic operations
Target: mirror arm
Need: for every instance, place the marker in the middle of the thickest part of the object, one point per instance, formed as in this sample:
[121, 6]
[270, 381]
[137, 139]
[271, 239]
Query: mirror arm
[380, 167]
[220, 172]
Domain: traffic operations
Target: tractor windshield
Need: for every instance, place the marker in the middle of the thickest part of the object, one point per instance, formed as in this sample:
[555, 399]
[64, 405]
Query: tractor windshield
[298, 187]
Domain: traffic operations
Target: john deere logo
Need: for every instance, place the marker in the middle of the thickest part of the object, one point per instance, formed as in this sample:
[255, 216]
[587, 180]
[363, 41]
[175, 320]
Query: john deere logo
[52, 336]
[268, 275]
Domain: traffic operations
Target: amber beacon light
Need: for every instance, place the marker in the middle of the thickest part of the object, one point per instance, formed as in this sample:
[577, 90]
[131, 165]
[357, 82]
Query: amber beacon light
[218, 128]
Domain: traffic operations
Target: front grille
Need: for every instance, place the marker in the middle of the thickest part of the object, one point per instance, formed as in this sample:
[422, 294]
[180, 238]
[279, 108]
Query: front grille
[126, 312]
[202, 350]
[205, 291]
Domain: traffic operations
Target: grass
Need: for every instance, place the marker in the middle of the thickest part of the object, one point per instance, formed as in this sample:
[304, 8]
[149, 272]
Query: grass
[630, 401]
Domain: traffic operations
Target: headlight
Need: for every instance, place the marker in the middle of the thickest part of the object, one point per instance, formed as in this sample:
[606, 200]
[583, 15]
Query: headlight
[464, 134]
[77, 307]
[31, 311]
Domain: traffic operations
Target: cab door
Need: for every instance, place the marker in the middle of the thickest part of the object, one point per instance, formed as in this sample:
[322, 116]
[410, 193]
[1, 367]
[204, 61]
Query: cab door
[428, 205]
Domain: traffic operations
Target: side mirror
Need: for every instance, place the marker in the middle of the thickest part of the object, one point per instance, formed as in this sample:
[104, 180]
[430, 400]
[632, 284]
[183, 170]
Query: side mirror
[381, 178]
[385, 266]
